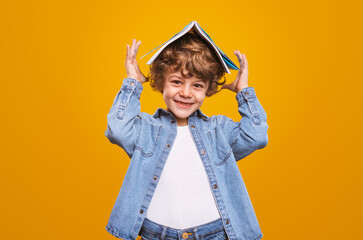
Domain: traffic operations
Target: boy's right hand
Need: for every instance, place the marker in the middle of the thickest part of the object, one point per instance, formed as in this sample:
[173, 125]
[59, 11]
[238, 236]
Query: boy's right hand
[132, 68]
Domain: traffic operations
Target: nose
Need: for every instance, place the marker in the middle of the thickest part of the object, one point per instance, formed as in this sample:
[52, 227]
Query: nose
[185, 91]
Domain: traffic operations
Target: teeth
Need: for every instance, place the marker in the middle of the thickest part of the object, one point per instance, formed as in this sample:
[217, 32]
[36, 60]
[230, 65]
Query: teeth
[185, 104]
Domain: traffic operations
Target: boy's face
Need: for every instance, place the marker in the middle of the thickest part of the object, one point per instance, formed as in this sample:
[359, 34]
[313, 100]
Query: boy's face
[183, 96]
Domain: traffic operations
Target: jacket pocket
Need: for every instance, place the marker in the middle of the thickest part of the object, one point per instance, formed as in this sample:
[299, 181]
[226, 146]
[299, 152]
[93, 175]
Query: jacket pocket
[222, 150]
[149, 134]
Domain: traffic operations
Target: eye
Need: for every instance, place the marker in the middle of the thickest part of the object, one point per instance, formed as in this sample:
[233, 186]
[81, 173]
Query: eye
[199, 85]
[176, 81]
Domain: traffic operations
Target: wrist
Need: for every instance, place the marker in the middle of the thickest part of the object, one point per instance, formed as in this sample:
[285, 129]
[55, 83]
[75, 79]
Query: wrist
[240, 88]
[133, 85]
[138, 78]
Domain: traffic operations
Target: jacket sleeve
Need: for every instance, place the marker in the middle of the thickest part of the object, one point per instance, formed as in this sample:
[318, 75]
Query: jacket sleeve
[123, 119]
[250, 133]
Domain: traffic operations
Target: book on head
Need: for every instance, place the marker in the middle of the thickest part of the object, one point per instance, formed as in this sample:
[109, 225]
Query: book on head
[195, 28]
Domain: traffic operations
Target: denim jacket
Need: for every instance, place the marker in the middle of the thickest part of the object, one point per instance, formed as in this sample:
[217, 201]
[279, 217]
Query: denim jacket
[147, 139]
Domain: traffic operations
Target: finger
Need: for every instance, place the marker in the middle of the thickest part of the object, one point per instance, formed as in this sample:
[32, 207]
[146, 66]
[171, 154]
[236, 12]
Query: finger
[245, 61]
[242, 61]
[133, 48]
[238, 54]
[137, 46]
[127, 51]
[243, 65]
[127, 54]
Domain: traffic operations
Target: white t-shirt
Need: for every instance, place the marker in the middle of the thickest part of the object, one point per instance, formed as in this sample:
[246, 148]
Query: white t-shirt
[183, 197]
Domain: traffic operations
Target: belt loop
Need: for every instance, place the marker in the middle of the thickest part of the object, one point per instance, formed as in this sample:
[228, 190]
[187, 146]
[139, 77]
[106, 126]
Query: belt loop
[163, 233]
[195, 230]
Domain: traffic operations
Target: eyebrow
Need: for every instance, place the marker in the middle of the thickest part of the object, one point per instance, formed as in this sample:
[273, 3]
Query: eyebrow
[174, 75]
[196, 80]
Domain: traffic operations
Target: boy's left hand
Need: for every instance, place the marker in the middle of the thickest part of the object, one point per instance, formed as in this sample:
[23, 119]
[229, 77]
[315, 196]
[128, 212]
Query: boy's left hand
[241, 80]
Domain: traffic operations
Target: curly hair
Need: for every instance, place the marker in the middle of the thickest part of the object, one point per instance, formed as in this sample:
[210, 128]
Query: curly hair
[190, 53]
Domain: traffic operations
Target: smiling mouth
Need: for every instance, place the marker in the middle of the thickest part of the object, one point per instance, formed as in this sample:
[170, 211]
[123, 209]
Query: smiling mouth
[183, 104]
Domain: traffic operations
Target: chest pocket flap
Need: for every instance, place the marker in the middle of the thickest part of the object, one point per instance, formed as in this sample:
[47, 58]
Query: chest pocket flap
[149, 134]
[221, 148]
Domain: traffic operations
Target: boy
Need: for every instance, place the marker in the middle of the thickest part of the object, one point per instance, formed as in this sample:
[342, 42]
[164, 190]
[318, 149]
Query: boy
[183, 181]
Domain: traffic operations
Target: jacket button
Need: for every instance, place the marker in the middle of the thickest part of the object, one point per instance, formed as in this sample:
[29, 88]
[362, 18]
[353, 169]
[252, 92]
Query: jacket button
[155, 178]
[247, 93]
[141, 211]
[193, 126]
[168, 145]
[215, 186]
[185, 235]
[172, 122]
[202, 152]
[227, 221]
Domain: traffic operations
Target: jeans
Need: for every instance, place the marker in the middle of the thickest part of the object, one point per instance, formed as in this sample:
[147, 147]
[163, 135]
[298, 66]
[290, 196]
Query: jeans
[210, 231]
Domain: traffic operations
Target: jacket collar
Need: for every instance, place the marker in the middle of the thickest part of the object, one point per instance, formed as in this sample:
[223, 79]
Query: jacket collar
[163, 111]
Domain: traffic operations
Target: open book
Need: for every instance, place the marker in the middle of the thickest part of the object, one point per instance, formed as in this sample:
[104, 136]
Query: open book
[194, 27]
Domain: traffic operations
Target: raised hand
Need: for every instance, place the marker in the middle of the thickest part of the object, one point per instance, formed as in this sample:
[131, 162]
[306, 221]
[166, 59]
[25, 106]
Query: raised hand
[132, 68]
[241, 80]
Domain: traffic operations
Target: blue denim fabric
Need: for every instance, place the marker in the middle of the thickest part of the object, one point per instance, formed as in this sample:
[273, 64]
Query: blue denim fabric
[213, 230]
[147, 139]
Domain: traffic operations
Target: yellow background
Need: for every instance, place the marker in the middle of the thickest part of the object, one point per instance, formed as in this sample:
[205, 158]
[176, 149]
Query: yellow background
[62, 64]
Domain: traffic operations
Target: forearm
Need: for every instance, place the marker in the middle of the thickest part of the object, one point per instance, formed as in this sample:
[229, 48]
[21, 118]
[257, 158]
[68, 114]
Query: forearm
[250, 133]
[122, 119]
[242, 87]
[250, 108]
